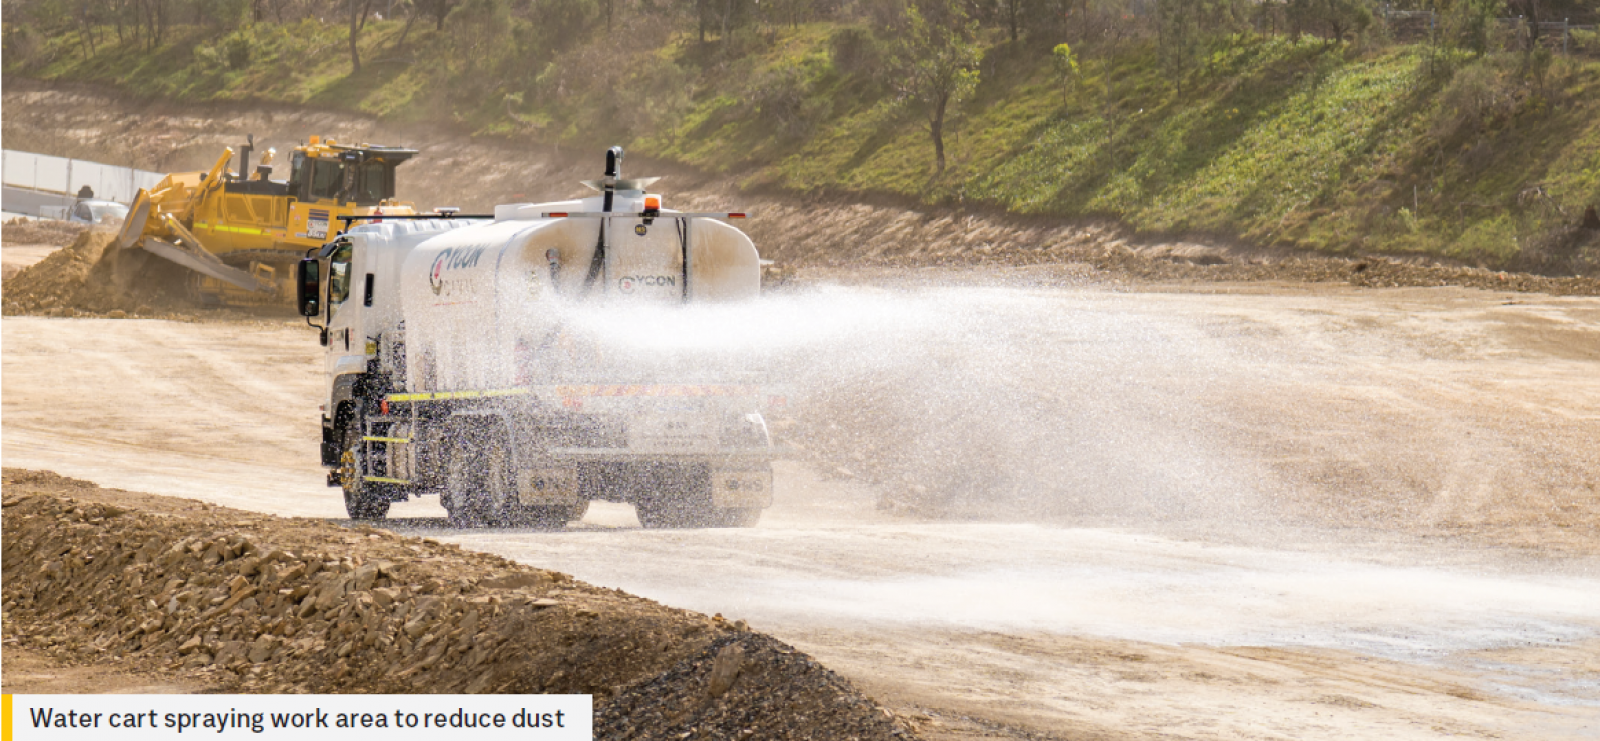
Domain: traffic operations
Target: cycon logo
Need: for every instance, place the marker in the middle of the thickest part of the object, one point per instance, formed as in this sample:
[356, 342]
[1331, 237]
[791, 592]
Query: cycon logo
[450, 259]
[628, 283]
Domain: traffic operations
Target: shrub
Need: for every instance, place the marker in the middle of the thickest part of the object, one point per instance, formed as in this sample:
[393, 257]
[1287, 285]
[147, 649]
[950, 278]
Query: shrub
[855, 52]
[780, 97]
[1474, 95]
[236, 49]
[24, 46]
[1493, 240]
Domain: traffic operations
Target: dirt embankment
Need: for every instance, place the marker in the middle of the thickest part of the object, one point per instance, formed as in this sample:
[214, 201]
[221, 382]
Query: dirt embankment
[231, 600]
[806, 234]
[39, 231]
[90, 276]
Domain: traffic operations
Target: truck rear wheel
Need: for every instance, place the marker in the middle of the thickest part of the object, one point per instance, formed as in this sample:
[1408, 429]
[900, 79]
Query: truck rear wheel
[681, 497]
[659, 513]
[361, 502]
[481, 493]
[737, 517]
[476, 485]
[546, 518]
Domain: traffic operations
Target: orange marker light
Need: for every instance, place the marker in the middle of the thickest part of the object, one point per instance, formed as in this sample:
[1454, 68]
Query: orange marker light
[652, 203]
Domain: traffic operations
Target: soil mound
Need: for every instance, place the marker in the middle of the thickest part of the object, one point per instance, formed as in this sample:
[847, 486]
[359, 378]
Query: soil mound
[253, 603]
[91, 276]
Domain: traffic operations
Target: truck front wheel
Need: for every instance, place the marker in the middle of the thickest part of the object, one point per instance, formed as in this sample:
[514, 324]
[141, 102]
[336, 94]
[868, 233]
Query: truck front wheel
[360, 501]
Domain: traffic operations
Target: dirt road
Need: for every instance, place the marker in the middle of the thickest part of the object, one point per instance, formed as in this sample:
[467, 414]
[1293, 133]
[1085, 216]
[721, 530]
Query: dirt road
[1266, 512]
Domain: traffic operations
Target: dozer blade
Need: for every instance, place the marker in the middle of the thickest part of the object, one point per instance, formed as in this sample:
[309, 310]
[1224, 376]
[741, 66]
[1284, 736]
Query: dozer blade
[133, 226]
[213, 267]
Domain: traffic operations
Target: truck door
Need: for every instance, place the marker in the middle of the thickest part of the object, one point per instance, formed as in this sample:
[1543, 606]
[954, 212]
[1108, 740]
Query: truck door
[349, 290]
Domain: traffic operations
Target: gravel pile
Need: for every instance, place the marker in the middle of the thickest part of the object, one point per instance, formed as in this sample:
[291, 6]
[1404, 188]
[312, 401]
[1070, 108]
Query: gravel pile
[252, 603]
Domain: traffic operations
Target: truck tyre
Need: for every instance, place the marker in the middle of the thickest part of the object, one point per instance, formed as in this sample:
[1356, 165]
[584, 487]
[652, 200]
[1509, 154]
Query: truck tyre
[481, 493]
[737, 517]
[473, 491]
[657, 513]
[361, 502]
[685, 501]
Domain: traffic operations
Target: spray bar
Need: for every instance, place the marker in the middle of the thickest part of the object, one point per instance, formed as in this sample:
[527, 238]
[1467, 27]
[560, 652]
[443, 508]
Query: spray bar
[448, 215]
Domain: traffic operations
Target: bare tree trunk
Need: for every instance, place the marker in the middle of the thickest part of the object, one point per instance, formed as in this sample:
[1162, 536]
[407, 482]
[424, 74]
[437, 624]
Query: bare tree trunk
[410, 19]
[147, 24]
[936, 128]
[355, 32]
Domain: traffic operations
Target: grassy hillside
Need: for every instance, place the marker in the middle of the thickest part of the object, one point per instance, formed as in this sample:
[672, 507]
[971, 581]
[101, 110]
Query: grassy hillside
[1277, 140]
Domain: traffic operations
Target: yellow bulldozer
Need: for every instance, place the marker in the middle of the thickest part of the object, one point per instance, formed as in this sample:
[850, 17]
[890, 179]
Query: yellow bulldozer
[241, 231]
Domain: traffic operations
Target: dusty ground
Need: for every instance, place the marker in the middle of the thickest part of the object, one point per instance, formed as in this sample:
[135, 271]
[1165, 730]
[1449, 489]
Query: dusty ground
[1314, 512]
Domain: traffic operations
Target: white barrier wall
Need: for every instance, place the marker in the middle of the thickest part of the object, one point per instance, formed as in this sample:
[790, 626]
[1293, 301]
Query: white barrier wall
[66, 176]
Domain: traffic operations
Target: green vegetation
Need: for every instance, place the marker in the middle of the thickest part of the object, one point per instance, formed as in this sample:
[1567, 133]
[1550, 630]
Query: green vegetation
[1310, 123]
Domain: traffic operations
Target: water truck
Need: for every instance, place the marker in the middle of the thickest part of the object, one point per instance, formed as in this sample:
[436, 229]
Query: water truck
[475, 357]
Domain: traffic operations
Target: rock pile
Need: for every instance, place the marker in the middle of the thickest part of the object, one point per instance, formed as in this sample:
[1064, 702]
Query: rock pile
[253, 603]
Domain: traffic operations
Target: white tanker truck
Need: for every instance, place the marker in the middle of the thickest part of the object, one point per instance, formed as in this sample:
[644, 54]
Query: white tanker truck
[480, 359]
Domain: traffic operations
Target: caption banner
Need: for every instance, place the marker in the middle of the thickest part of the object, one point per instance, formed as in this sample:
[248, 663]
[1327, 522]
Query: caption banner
[300, 717]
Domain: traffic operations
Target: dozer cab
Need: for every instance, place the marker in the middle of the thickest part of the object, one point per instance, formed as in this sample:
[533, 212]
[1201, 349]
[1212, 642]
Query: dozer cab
[241, 232]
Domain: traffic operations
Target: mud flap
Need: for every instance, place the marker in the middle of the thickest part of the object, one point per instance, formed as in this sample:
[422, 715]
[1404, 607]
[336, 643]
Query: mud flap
[742, 489]
[548, 487]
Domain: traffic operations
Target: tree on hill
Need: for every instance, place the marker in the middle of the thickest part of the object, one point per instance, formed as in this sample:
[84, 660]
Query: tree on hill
[935, 56]
[439, 9]
[1339, 17]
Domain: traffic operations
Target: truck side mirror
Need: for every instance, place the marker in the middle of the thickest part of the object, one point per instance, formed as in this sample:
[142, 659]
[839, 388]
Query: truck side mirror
[306, 285]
